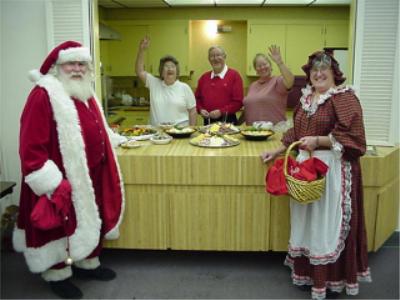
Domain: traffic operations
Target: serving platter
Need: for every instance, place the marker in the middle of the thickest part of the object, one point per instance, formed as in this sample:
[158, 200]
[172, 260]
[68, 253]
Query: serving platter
[220, 128]
[214, 141]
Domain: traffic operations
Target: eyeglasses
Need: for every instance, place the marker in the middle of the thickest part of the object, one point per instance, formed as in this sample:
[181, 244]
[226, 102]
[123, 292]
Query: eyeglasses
[215, 56]
[322, 63]
[169, 66]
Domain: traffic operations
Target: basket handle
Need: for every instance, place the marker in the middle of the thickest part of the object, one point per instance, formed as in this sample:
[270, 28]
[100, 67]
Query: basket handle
[287, 156]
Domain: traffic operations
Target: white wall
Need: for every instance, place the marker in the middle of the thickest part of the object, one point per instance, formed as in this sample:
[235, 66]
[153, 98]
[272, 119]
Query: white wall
[23, 48]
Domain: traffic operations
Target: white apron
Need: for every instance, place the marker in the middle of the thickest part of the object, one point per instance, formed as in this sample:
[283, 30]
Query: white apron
[319, 229]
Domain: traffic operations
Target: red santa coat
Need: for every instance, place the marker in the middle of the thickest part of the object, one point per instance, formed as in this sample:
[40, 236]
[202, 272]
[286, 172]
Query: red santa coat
[52, 147]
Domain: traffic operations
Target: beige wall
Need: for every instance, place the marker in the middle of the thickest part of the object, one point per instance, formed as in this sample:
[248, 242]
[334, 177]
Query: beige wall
[233, 42]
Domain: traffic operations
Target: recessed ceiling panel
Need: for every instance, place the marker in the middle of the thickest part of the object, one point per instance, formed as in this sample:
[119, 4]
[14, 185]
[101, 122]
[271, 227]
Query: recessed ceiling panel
[332, 2]
[287, 2]
[109, 4]
[239, 2]
[142, 3]
[190, 2]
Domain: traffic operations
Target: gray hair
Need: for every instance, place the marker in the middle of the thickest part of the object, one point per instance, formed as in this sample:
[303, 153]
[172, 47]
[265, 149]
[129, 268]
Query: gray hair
[217, 47]
[166, 59]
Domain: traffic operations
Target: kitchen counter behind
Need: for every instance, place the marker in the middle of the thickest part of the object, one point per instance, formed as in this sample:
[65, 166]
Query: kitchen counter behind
[184, 197]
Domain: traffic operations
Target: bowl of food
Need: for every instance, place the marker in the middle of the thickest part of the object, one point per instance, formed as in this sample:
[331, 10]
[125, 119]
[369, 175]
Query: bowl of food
[166, 125]
[256, 134]
[161, 139]
[180, 132]
[131, 144]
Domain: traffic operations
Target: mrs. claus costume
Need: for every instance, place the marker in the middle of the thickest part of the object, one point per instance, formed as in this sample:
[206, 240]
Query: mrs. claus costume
[328, 243]
[63, 138]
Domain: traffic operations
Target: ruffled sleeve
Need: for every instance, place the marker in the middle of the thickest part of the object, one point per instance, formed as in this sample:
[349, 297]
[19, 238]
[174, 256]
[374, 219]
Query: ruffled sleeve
[349, 128]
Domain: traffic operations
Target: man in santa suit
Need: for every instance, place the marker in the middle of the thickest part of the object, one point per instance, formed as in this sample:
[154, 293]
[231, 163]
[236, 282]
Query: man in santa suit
[66, 151]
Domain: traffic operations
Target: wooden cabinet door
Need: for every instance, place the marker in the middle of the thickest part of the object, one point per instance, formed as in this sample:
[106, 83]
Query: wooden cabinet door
[122, 53]
[259, 38]
[170, 38]
[337, 35]
[301, 41]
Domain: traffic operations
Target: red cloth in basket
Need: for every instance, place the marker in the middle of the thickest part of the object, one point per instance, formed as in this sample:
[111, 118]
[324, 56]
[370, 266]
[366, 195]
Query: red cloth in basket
[308, 170]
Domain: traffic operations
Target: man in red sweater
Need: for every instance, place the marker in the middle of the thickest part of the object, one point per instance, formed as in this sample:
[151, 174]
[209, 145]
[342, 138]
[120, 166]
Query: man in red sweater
[219, 92]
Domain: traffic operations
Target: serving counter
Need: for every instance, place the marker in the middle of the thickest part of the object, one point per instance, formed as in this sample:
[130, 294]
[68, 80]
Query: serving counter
[184, 197]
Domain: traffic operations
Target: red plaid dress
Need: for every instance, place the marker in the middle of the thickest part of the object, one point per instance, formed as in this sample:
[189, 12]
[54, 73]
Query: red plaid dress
[339, 115]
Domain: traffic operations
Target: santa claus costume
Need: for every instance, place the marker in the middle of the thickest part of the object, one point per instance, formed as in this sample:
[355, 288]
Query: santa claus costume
[67, 140]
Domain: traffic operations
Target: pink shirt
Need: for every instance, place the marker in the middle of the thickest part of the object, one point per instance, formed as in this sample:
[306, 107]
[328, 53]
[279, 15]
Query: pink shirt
[266, 101]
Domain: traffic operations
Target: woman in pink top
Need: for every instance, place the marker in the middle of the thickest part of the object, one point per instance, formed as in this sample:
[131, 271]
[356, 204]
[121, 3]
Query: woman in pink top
[267, 97]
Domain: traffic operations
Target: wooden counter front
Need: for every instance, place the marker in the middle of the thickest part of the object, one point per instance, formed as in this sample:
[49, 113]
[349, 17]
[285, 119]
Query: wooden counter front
[183, 197]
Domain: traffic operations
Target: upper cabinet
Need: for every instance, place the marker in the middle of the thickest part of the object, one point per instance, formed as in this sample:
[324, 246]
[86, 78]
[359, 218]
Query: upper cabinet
[118, 56]
[297, 41]
[301, 41]
[337, 35]
[259, 38]
[169, 39]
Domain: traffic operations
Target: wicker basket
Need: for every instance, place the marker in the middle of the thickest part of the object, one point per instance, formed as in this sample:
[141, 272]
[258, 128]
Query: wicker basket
[300, 190]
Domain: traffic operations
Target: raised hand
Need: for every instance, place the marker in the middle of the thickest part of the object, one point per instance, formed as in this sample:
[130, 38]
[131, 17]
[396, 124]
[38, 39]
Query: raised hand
[275, 54]
[144, 43]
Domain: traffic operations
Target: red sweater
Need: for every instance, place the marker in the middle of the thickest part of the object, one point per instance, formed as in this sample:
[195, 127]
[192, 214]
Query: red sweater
[223, 94]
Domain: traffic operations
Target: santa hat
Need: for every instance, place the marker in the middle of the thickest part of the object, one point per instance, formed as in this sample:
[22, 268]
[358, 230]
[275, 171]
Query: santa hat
[65, 52]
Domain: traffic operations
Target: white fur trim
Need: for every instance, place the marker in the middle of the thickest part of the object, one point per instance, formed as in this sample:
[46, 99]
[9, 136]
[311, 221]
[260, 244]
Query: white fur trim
[115, 138]
[34, 75]
[18, 239]
[88, 264]
[45, 180]
[57, 274]
[114, 232]
[42, 258]
[87, 234]
[74, 54]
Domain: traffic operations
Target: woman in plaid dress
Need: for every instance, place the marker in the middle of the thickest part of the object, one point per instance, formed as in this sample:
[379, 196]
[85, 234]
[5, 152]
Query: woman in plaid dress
[328, 244]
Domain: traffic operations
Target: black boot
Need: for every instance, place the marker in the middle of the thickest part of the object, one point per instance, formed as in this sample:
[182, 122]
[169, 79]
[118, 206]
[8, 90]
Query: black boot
[100, 273]
[305, 288]
[65, 289]
[331, 294]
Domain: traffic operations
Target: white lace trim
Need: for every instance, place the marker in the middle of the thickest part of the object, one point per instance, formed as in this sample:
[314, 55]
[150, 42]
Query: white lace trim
[334, 286]
[336, 146]
[311, 106]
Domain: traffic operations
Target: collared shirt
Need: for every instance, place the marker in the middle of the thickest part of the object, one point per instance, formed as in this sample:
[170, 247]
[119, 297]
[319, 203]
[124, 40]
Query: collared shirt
[221, 74]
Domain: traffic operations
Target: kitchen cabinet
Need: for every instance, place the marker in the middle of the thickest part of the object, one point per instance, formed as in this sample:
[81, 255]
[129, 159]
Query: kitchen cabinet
[259, 38]
[118, 56]
[130, 117]
[170, 38]
[301, 41]
[297, 41]
[336, 35]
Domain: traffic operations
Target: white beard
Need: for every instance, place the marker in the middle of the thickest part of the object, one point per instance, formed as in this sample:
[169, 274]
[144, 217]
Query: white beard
[77, 88]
